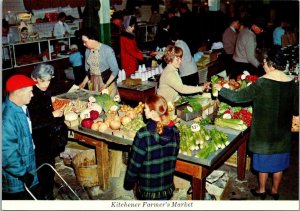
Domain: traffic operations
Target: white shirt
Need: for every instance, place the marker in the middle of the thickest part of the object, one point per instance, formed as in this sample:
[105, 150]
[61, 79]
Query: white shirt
[60, 29]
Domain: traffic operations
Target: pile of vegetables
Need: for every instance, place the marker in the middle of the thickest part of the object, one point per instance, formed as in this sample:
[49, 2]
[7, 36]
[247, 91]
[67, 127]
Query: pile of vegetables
[236, 124]
[195, 102]
[134, 125]
[234, 117]
[197, 141]
[105, 101]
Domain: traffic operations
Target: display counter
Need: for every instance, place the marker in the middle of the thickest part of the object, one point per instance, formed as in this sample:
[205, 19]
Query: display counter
[137, 93]
[197, 168]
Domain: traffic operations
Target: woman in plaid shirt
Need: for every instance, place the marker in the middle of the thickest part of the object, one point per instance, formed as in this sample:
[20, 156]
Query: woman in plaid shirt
[154, 154]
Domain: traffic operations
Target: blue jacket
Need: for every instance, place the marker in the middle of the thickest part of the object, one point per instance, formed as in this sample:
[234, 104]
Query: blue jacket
[17, 148]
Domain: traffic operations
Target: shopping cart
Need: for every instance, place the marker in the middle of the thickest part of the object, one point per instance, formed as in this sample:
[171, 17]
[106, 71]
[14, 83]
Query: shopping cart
[63, 187]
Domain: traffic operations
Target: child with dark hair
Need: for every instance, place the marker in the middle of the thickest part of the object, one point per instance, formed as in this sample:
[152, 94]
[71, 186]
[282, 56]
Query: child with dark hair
[154, 154]
[76, 60]
[24, 34]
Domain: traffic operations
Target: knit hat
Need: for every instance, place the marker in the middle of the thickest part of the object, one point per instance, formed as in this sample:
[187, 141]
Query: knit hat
[18, 82]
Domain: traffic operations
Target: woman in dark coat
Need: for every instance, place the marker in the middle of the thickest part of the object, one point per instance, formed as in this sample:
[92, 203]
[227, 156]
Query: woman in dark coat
[275, 100]
[43, 118]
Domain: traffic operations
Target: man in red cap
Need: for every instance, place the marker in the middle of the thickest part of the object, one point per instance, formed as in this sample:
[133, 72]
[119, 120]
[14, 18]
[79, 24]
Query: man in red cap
[18, 158]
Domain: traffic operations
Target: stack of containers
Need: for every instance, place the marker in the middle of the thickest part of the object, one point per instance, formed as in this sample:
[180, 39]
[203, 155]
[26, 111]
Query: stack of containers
[144, 73]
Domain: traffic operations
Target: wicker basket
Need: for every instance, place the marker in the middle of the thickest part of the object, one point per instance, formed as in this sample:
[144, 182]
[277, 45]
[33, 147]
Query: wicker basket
[85, 167]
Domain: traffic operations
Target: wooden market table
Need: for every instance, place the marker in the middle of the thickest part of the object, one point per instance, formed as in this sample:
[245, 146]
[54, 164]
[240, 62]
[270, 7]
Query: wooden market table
[197, 168]
[137, 93]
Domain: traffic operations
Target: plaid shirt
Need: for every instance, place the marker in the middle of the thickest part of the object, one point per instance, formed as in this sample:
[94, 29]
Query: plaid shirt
[152, 162]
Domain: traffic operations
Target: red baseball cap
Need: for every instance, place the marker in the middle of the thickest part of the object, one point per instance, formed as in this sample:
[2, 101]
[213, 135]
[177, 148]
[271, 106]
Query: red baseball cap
[18, 82]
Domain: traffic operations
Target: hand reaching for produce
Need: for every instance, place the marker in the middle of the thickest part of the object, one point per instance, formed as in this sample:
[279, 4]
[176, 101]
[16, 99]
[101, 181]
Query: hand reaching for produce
[206, 86]
[217, 87]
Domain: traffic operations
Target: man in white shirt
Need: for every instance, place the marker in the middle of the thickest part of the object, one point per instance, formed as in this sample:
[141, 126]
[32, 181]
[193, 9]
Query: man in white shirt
[61, 29]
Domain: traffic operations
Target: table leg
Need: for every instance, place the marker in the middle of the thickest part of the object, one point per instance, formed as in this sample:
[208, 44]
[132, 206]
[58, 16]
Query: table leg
[198, 186]
[241, 158]
[103, 164]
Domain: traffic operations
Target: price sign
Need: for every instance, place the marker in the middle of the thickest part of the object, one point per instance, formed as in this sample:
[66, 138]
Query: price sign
[195, 127]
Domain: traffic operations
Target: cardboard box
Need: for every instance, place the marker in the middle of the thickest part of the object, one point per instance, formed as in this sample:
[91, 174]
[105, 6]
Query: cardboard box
[216, 183]
[232, 161]
[187, 116]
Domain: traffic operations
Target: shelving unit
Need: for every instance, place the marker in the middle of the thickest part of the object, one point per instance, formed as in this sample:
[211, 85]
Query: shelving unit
[7, 59]
[38, 51]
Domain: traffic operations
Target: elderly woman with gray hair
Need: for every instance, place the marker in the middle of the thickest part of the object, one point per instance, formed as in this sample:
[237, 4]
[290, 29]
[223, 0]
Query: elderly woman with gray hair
[44, 119]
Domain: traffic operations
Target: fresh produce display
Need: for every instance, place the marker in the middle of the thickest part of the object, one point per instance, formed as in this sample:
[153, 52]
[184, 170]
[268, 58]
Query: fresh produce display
[236, 124]
[134, 125]
[75, 106]
[214, 79]
[228, 112]
[241, 82]
[198, 141]
[138, 109]
[87, 123]
[105, 101]
[85, 113]
[195, 102]
[94, 114]
[71, 116]
[59, 103]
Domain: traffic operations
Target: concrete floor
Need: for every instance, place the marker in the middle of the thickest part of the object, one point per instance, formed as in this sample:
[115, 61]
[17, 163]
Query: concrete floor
[235, 189]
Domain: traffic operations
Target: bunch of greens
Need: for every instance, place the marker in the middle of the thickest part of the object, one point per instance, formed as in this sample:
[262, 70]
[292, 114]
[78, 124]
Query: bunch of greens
[105, 101]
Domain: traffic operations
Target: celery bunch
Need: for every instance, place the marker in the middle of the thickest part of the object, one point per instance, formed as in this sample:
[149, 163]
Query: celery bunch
[202, 142]
[236, 124]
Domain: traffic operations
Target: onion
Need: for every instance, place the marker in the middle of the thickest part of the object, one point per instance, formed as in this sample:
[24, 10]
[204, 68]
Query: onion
[115, 125]
[131, 114]
[125, 120]
[102, 127]
[95, 126]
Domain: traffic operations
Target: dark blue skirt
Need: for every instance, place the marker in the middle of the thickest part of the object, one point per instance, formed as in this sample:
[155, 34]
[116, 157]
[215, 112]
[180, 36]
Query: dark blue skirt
[270, 163]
